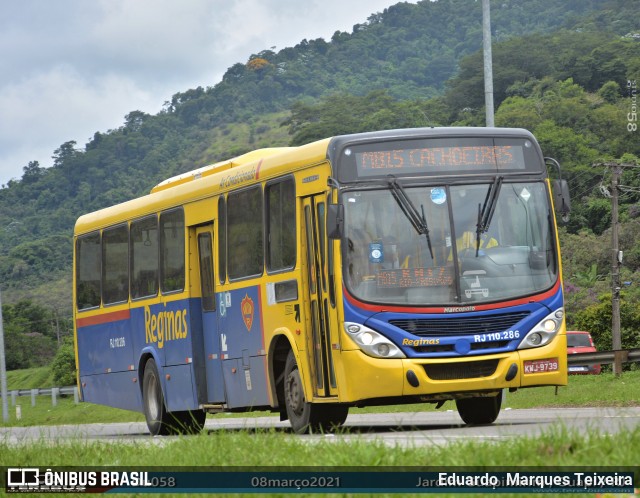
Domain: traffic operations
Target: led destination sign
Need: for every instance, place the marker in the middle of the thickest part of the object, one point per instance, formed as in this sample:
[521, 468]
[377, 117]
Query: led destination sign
[440, 159]
[414, 156]
[415, 277]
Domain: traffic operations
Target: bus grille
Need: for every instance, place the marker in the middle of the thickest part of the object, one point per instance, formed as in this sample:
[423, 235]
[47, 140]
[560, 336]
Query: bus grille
[464, 370]
[459, 326]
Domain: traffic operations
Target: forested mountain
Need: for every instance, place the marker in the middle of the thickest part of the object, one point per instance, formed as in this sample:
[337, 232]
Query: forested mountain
[561, 69]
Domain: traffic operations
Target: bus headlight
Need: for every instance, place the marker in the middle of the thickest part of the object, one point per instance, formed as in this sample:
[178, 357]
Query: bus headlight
[371, 342]
[544, 332]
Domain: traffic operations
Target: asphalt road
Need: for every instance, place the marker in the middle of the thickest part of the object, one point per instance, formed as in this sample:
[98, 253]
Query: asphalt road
[404, 429]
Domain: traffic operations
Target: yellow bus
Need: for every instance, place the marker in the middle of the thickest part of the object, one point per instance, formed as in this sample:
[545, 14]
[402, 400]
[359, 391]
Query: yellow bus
[399, 266]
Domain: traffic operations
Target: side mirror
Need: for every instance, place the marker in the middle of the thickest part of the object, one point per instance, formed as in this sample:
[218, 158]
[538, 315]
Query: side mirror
[335, 220]
[561, 198]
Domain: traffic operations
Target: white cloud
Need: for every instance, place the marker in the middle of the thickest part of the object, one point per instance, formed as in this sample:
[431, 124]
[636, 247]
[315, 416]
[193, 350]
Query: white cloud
[50, 108]
[70, 68]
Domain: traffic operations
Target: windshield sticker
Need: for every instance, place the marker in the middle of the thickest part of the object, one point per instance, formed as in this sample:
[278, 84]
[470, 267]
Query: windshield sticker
[376, 252]
[525, 194]
[475, 284]
[476, 289]
[438, 195]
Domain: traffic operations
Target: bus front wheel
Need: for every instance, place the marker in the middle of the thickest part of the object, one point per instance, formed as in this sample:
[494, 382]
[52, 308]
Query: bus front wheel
[479, 411]
[305, 416]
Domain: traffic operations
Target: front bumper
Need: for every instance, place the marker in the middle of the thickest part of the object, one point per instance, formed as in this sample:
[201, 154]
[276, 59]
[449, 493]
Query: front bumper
[363, 377]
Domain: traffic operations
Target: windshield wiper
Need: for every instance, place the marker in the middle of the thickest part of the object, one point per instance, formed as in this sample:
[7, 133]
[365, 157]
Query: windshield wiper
[485, 213]
[417, 219]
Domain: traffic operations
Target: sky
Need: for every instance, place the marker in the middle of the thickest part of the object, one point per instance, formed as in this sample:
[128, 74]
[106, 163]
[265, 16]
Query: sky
[70, 68]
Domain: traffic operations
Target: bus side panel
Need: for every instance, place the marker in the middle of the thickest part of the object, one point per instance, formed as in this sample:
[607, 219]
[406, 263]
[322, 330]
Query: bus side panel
[179, 388]
[243, 352]
[167, 328]
[174, 330]
[105, 351]
[245, 382]
[105, 343]
[116, 389]
[198, 351]
[185, 384]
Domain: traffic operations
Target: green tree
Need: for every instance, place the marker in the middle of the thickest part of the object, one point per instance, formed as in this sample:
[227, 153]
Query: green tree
[610, 92]
[15, 346]
[519, 112]
[597, 320]
[63, 367]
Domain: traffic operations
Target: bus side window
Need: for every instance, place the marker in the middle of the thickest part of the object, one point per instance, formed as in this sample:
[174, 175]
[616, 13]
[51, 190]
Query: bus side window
[88, 269]
[245, 234]
[222, 239]
[172, 250]
[144, 257]
[115, 264]
[281, 228]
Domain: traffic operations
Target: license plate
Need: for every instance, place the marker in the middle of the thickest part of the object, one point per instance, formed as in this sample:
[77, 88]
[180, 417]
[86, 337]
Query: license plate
[541, 366]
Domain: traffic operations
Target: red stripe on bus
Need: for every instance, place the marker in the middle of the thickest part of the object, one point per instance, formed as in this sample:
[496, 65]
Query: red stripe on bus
[258, 169]
[104, 318]
[463, 307]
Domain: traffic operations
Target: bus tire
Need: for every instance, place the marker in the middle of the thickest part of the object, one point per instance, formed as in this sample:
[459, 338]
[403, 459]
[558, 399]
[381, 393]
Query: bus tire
[305, 416]
[155, 412]
[479, 411]
[298, 410]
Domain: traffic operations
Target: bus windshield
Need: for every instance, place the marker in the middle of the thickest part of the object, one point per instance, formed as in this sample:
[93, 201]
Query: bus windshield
[449, 244]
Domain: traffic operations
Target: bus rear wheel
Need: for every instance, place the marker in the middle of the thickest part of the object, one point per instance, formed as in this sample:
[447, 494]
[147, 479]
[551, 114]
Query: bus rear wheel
[304, 416]
[159, 421]
[153, 401]
[479, 411]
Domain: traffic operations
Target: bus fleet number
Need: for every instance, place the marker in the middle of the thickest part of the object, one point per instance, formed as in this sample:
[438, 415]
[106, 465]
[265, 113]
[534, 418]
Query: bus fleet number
[117, 342]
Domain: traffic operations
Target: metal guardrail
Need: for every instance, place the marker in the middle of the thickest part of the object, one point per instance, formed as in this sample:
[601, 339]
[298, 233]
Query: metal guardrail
[54, 392]
[44, 391]
[604, 357]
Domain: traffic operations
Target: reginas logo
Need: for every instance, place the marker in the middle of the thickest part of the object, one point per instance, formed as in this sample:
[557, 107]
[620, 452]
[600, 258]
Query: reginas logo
[420, 342]
[165, 326]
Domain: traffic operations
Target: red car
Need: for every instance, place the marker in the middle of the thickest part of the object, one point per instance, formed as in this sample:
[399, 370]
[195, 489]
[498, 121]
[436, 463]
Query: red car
[581, 342]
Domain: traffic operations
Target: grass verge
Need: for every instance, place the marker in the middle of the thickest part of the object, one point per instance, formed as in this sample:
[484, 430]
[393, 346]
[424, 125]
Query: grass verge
[559, 447]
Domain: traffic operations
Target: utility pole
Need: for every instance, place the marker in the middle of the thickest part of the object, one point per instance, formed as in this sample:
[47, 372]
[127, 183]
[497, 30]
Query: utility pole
[3, 370]
[616, 264]
[488, 68]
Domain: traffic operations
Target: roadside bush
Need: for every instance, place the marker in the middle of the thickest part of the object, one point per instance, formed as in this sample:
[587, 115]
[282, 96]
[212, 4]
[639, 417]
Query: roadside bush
[596, 319]
[63, 367]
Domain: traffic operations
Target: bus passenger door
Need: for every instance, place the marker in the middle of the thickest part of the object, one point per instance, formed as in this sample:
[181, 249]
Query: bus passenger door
[321, 317]
[210, 330]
